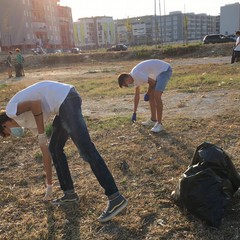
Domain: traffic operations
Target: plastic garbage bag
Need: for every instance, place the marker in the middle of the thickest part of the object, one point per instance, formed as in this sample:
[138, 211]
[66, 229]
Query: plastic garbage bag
[207, 186]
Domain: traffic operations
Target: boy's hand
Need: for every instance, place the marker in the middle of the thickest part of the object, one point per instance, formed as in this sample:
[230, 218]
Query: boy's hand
[42, 139]
[49, 193]
[134, 117]
[146, 97]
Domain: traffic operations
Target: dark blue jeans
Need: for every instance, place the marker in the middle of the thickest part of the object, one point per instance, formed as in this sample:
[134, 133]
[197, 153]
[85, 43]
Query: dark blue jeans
[70, 122]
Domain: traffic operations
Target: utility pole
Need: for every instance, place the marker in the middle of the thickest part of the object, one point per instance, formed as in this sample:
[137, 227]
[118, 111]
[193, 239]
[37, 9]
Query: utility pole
[185, 28]
[164, 13]
[160, 23]
[155, 16]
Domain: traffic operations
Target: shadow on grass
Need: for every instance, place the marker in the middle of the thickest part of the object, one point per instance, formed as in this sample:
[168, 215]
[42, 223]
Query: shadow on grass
[70, 222]
[119, 232]
[172, 140]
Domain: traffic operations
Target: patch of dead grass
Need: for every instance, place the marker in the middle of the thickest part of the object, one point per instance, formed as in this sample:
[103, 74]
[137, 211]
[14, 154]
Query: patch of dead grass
[153, 165]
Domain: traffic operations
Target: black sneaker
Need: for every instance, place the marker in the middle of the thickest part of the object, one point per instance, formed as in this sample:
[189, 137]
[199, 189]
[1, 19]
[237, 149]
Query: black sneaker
[114, 207]
[67, 198]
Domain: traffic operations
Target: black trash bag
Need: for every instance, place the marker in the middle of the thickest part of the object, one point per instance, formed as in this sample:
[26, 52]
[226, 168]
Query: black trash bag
[207, 186]
[214, 157]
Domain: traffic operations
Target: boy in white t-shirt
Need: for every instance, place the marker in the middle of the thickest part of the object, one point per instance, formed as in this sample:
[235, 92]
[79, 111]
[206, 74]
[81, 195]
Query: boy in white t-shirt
[236, 49]
[31, 108]
[238, 38]
[156, 73]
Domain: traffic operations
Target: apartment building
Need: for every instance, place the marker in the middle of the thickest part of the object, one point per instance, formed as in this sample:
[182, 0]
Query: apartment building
[94, 32]
[196, 26]
[174, 27]
[66, 27]
[230, 18]
[30, 23]
[170, 28]
[136, 31]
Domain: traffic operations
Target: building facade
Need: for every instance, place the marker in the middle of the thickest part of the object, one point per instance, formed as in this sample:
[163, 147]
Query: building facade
[174, 27]
[30, 23]
[230, 18]
[136, 31]
[66, 27]
[95, 32]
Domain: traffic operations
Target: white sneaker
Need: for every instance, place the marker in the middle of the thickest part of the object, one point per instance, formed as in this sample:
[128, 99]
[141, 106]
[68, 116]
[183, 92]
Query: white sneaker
[149, 123]
[157, 127]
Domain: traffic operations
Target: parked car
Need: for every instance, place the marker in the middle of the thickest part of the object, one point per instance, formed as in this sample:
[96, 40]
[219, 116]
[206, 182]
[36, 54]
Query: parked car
[233, 36]
[38, 50]
[118, 47]
[217, 38]
[75, 50]
[58, 51]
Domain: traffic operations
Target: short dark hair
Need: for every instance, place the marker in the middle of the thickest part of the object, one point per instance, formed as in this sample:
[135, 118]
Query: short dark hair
[237, 32]
[121, 79]
[3, 118]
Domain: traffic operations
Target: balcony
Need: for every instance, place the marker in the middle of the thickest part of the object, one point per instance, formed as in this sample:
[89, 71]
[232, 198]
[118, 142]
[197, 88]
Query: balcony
[39, 26]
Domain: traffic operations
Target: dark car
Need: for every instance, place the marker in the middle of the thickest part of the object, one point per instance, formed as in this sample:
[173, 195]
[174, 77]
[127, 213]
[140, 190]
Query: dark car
[118, 47]
[217, 38]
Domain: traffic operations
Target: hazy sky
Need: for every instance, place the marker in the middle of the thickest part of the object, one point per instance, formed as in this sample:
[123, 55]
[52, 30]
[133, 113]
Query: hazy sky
[134, 8]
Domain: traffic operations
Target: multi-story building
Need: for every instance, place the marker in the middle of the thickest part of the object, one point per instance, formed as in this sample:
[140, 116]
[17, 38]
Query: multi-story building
[136, 31]
[85, 35]
[174, 27]
[196, 26]
[30, 23]
[170, 28]
[43, 22]
[66, 27]
[94, 32]
[230, 18]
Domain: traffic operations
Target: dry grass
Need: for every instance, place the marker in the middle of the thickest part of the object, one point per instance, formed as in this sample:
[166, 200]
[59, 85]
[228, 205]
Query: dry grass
[155, 163]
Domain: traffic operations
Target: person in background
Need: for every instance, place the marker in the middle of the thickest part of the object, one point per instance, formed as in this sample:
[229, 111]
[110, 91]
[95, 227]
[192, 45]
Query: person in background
[31, 108]
[9, 64]
[236, 49]
[238, 38]
[156, 73]
[19, 63]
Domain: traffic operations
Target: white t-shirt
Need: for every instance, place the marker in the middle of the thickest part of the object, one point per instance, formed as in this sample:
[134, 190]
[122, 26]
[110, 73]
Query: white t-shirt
[51, 94]
[148, 69]
[237, 48]
[238, 40]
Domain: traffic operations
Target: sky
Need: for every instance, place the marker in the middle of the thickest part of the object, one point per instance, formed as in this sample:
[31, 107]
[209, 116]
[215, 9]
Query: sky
[134, 8]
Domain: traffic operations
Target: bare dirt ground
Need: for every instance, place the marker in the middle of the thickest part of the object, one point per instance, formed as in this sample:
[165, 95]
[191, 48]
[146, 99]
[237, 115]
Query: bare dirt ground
[154, 164]
[199, 104]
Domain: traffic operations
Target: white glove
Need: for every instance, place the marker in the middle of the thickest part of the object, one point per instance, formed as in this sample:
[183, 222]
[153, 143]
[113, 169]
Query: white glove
[42, 139]
[49, 193]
